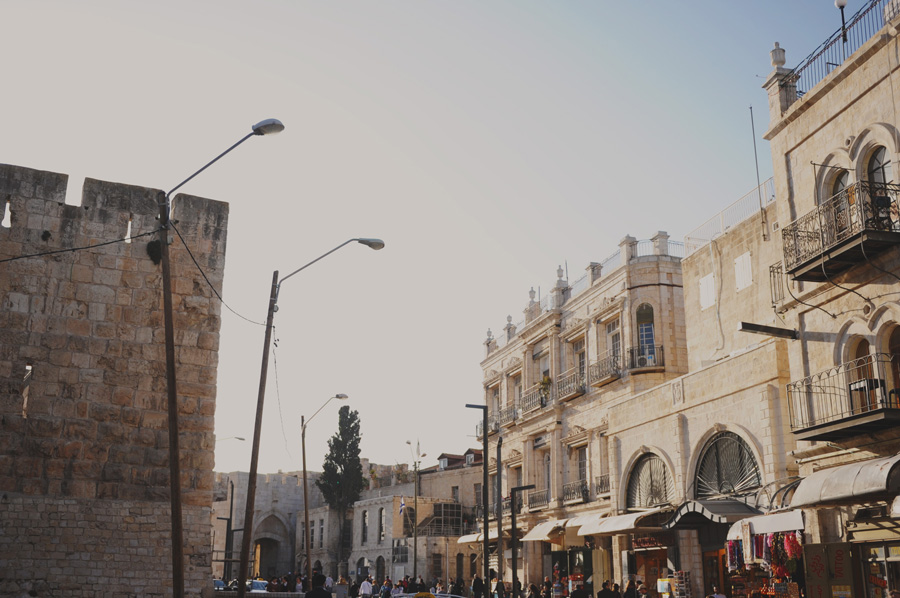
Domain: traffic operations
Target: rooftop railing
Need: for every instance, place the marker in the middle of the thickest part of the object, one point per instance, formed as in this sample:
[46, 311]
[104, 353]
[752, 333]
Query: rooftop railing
[741, 210]
[833, 51]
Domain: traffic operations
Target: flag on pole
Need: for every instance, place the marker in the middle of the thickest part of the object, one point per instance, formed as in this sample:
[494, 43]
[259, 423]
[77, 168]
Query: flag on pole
[402, 505]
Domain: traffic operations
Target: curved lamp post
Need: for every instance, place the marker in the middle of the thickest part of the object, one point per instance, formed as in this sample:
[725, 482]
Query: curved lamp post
[303, 424]
[254, 457]
[266, 127]
[417, 458]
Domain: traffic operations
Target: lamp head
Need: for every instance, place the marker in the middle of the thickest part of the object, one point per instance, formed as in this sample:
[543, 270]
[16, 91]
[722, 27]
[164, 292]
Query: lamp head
[270, 126]
[375, 244]
[840, 4]
[341, 396]
[409, 443]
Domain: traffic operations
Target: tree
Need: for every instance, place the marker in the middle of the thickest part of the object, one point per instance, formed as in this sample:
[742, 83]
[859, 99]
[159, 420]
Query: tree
[342, 479]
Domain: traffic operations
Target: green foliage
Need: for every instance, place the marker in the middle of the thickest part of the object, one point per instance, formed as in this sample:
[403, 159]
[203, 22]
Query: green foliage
[342, 479]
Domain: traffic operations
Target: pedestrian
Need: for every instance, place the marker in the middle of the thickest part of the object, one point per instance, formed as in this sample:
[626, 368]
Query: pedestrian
[477, 587]
[616, 590]
[630, 589]
[642, 590]
[329, 584]
[547, 588]
[354, 590]
[365, 588]
[605, 591]
[318, 590]
[717, 594]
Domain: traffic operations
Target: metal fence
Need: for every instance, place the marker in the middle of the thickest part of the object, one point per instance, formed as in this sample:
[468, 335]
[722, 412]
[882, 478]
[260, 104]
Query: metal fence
[850, 389]
[860, 28]
[741, 210]
[861, 206]
[576, 491]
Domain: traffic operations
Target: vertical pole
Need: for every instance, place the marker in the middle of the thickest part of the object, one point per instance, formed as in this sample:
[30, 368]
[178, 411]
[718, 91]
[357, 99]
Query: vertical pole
[515, 537]
[486, 542]
[305, 502]
[174, 451]
[247, 536]
[499, 507]
[229, 534]
[416, 523]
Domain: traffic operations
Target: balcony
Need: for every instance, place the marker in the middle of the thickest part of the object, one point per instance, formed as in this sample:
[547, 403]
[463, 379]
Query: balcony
[857, 397]
[850, 228]
[570, 384]
[601, 484]
[507, 415]
[535, 398]
[508, 505]
[576, 492]
[538, 499]
[605, 370]
[646, 357]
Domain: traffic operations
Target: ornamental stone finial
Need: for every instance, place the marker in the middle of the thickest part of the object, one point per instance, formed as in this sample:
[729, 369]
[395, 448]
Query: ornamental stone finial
[559, 272]
[509, 319]
[490, 335]
[777, 54]
[531, 294]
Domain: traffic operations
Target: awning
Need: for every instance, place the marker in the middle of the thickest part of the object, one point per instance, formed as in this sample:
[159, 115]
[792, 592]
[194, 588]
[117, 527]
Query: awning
[785, 521]
[618, 524]
[470, 539]
[586, 519]
[848, 482]
[718, 511]
[545, 531]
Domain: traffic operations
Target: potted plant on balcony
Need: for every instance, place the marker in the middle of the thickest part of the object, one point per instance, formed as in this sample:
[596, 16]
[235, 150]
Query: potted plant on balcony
[545, 390]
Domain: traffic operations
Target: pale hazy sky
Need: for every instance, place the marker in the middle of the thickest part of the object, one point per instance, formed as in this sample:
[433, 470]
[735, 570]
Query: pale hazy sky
[486, 142]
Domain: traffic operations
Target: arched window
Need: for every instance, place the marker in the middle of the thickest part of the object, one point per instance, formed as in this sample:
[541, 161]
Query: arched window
[379, 570]
[646, 335]
[878, 169]
[473, 565]
[863, 389]
[650, 483]
[840, 182]
[460, 562]
[726, 467]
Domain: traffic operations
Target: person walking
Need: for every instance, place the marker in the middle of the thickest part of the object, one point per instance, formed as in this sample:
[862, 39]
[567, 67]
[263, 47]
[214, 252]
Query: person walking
[365, 588]
[477, 587]
[318, 590]
[547, 588]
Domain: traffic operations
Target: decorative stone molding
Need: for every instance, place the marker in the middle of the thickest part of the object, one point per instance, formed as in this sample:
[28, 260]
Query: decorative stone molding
[576, 437]
[514, 457]
[677, 392]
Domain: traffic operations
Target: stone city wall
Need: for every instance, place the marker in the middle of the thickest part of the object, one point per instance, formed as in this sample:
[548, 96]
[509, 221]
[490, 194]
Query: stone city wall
[84, 471]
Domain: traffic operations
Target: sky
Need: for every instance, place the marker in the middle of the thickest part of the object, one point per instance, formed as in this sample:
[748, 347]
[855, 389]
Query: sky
[486, 142]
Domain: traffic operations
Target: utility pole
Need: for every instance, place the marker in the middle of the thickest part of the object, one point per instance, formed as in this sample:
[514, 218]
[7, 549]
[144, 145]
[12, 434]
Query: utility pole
[485, 541]
[229, 533]
[500, 587]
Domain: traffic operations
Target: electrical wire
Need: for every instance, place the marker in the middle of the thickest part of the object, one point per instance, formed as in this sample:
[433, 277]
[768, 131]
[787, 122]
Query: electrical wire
[278, 397]
[206, 278]
[55, 251]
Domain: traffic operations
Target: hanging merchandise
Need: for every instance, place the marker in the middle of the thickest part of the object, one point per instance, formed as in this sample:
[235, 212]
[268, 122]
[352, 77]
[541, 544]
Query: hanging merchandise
[735, 555]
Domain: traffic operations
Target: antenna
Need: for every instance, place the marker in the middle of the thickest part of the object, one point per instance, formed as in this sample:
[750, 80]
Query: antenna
[762, 212]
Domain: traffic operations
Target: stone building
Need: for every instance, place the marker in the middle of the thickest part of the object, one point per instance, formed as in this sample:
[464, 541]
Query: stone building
[552, 384]
[835, 138]
[277, 523]
[84, 477]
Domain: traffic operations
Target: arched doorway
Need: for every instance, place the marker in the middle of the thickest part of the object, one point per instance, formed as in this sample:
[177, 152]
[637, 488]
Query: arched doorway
[650, 483]
[379, 570]
[362, 570]
[265, 558]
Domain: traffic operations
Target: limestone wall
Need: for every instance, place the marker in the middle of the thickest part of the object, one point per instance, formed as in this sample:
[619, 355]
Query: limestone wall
[84, 438]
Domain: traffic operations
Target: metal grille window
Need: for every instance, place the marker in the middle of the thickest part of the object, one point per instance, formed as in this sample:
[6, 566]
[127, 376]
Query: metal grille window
[380, 526]
[579, 357]
[650, 483]
[400, 551]
[436, 560]
[726, 467]
[321, 532]
[582, 462]
[365, 527]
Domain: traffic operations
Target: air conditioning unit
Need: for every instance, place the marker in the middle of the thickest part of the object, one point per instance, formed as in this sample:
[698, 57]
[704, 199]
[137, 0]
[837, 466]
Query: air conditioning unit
[642, 361]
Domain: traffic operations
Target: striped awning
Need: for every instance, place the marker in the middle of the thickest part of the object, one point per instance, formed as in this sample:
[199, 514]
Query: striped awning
[717, 511]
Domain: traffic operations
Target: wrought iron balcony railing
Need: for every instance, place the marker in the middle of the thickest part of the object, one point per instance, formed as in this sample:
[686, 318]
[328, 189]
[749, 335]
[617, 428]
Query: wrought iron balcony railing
[493, 426]
[508, 504]
[535, 398]
[863, 394]
[833, 51]
[602, 484]
[862, 206]
[507, 415]
[576, 491]
[538, 499]
[605, 369]
[570, 384]
[646, 356]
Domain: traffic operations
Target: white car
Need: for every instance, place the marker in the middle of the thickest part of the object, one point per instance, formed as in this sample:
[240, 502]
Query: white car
[257, 586]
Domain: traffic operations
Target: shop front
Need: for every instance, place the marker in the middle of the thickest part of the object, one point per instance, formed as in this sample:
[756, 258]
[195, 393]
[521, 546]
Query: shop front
[766, 556]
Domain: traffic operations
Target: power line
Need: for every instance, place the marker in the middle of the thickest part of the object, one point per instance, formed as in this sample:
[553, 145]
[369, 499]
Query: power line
[206, 278]
[278, 396]
[55, 251]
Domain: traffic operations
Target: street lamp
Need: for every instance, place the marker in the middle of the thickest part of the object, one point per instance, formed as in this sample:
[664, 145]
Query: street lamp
[303, 423]
[417, 458]
[242, 439]
[486, 544]
[254, 456]
[266, 127]
[515, 538]
[840, 4]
